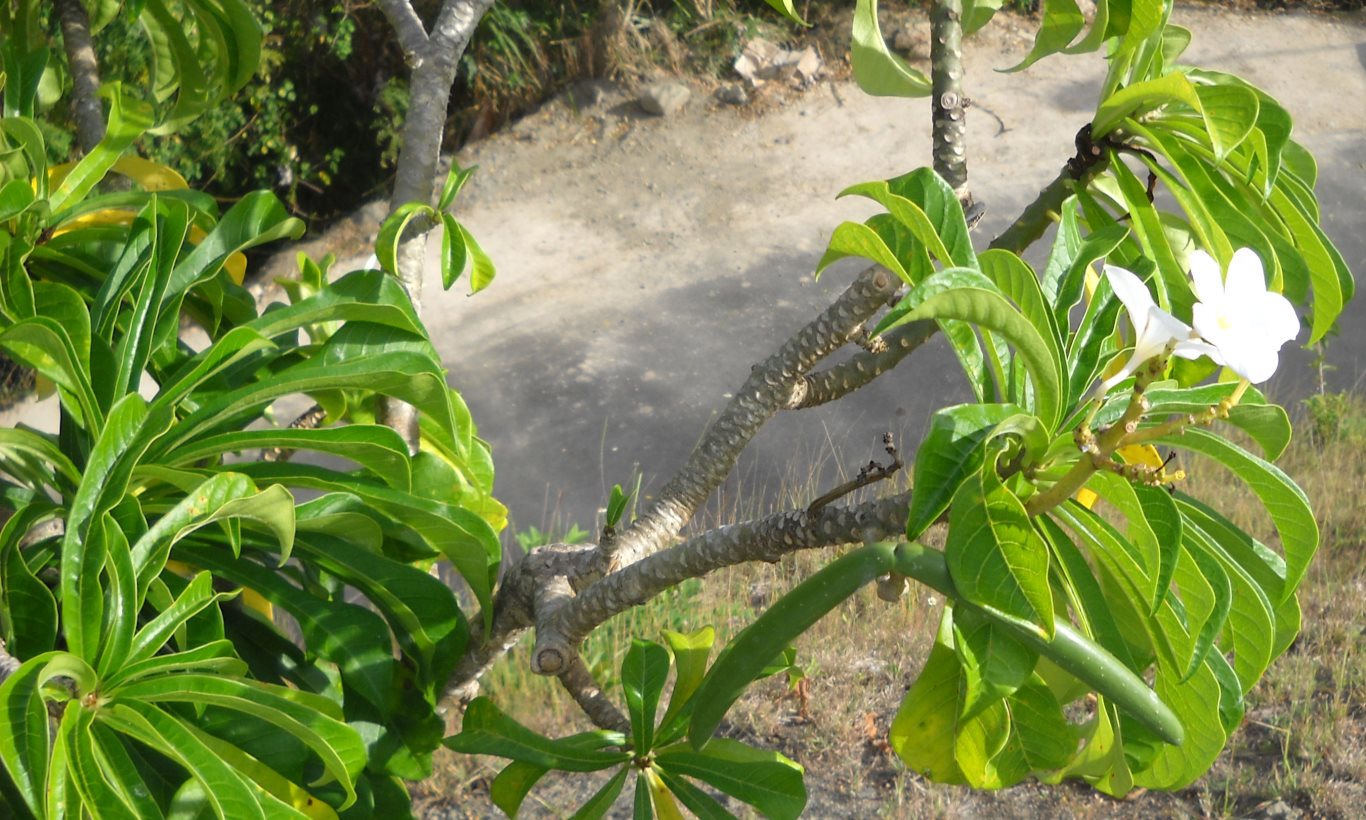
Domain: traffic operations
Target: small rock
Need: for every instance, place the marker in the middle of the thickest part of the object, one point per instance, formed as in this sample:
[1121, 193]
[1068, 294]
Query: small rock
[664, 99]
[757, 60]
[1278, 810]
[732, 94]
[585, 94]
[808, 66]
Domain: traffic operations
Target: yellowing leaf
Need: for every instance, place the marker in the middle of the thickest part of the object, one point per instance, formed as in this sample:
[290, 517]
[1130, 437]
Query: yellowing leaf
[1144, 454]
[1086, 498]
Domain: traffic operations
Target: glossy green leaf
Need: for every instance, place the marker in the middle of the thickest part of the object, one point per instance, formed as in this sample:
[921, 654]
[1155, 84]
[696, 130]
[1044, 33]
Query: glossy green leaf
[690, 652]
[25, 747]
[996, 559]
[228, 795]
[745, 656]
[1283, 499]
[603, 799]
[423, 612]
[994, 662]
[876, 69]
[907, 213]
[391, 232]
[989, 309]
[377, 448]
[486, 730]
[354, 638]
[694, 799]
[765, 780]
[950, 452]
[1062, 22]
[644, 671]
[336, 744]
[221, 497]
[127, 119]
[855, 239]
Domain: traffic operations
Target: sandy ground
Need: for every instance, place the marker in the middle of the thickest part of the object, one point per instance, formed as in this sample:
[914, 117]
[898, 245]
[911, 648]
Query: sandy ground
[645, 263]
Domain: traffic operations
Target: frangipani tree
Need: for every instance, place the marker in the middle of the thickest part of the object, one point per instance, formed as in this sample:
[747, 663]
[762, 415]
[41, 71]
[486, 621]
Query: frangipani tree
[1102, 625]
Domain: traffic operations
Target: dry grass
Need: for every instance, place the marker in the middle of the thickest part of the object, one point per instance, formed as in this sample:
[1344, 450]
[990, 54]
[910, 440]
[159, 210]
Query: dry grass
[1302, 748]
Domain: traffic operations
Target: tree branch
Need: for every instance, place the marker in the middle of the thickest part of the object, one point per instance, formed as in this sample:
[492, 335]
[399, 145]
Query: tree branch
[581, 686]
[412, 37]
[946, 76]
[766, 391]
[763, 539]
[85, 74]
[840, 380]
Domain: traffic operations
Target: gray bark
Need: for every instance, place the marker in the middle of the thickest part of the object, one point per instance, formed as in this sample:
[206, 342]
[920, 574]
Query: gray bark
[85, 74]
[946, 76]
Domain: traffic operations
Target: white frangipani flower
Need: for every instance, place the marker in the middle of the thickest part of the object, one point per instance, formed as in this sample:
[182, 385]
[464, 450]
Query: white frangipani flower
[1154, 328]
[1239, 316]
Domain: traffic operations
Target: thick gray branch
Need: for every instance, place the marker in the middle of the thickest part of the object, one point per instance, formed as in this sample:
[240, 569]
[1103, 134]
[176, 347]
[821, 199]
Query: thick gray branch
[840, 380]
[763, 539]
[581, 686]
[765, 392]
[946, 76]
[514, 609]
[85, 74]
[412, 37]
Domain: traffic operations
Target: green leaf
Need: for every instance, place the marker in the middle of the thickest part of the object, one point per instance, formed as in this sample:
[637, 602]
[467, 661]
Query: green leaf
[877, 70]
[154, 635]
[690, 652]
[907, 213]
[977, 13]
[1283, 499]
[1062, 22]
[603, 799]
[228, 795]
[486, 730]
[24, 735]
[765, 780]
[222, 497]
[455, 183]
[512, 784]
[940, 204]
[644, 671]
[83, 558]
[127, 119]
[481, 266]
[701, 804]
[1141, 98]
[950, 452]
[461, 536]
[312, 719]
[377, 448]
[354, 638]
[423, 612]
[45, 346]
[924, 729]
[391, 232]
[215, 657]
[454, 254]
[84, 769]
[745, 657]
[1230, 112]
[990, 310]
[855, 239]
[788, 10]
[994, 662]
[996, 559]
[616, 506]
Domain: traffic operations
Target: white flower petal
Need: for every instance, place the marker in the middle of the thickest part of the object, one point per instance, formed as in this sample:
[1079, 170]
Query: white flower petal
[1131, 291]
[1279, 319]
[1245, 278]
[1205, 317]
[1170, 327]
[1207, 280]
[1194, 349]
